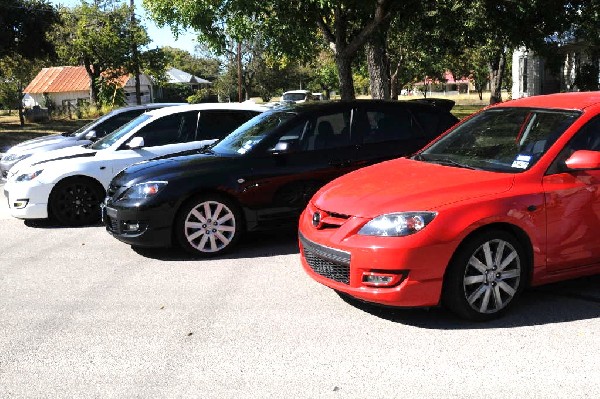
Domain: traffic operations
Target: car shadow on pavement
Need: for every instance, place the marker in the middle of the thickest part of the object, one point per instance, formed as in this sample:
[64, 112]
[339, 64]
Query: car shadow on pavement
[253, 245]
[554, 303]
[52, 224]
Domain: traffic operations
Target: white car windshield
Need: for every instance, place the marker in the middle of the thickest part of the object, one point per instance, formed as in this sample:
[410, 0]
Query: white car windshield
[251, 133]
[294, 96]
[503, 139]
[115, 136]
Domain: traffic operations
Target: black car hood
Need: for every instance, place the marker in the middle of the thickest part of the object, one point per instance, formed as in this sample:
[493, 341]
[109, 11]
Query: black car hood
[168, 168]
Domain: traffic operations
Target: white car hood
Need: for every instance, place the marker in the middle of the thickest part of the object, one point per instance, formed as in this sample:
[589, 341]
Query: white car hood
[54, 155]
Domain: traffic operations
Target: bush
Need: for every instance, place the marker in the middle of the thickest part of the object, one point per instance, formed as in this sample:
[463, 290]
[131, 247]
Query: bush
[205, 95]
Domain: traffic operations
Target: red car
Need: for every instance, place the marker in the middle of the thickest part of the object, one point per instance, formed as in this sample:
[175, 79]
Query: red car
[508, 198]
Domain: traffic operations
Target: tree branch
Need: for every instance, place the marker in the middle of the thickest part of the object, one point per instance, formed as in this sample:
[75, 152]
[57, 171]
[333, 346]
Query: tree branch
[382, 14]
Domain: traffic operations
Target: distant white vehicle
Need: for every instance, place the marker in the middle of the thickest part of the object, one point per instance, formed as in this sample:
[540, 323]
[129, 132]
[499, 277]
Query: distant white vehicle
[298, 96]
[70, 183]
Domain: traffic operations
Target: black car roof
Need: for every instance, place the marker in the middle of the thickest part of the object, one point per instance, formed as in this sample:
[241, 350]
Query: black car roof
[318, 106]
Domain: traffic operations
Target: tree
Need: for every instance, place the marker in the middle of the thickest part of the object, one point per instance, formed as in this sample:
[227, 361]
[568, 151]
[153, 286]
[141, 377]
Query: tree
[17, 71]
[95, 36]
[500, 26]
[102, 37]
[289, 28]
[23, 28]
[204, 67]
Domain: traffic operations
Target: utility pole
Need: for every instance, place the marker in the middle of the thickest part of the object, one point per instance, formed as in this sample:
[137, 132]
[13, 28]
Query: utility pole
[135, 59]
[239, 68]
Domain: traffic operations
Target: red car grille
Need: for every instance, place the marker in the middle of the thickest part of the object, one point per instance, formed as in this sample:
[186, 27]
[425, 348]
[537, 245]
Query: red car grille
[327, 262]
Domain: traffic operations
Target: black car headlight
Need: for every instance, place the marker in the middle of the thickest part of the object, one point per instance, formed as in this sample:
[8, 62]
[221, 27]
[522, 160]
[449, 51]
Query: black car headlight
[144, 190]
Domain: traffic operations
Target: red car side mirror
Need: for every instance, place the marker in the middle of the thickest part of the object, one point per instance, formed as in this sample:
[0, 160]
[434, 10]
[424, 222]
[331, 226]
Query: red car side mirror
[583, 159]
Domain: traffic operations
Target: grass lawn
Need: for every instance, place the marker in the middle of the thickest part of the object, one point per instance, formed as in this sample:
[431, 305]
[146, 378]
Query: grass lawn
[11, 131]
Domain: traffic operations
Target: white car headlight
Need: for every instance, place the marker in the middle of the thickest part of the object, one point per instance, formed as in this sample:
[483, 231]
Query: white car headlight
[28, 176]
[397, 224]
[143, 190]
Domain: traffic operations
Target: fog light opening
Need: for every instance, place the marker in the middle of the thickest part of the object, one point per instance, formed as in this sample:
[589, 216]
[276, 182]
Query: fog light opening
[383, 278]
[20, 203]
[131, 227]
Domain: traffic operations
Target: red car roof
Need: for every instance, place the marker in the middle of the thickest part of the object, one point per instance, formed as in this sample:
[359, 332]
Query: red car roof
[580, 101]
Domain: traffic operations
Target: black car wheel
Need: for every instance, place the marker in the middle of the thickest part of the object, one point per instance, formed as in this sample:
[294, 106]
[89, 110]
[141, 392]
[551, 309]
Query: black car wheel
[208, 225]
[76, 201]
[485, 277]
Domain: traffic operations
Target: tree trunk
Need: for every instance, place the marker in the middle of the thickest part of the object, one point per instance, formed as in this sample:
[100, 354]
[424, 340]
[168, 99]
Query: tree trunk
[135, 56]
[497, 67]
[94, 75]
[344, 66]
[378, 64]
[394, 82]
[21, 115]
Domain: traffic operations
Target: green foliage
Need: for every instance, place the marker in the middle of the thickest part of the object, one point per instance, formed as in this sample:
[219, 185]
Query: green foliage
[111, 94]
[206, 68]
[175, 92]
[23, 28]
[101, 36]
[202, 96]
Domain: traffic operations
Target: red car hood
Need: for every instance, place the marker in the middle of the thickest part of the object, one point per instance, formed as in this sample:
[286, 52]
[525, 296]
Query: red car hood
[406, 185]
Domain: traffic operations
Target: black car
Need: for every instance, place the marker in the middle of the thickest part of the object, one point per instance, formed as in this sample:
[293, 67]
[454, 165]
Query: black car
[262, 175]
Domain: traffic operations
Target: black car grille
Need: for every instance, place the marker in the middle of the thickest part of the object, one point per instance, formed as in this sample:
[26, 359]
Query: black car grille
[327, 262]
[112, 225]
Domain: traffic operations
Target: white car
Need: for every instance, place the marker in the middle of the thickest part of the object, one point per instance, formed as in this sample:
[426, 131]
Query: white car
[69, 184]
[82, 136]
[297, 96]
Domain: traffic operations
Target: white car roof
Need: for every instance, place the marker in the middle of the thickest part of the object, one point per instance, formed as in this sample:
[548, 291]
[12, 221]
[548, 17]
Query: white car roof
[298, 91]
[207, 106]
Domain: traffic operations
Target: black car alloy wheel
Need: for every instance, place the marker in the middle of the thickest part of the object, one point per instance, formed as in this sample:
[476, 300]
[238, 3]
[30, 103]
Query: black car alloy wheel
[208, 225]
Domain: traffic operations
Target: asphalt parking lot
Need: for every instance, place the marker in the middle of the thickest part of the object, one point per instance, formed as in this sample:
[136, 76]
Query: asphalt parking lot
[83, 315]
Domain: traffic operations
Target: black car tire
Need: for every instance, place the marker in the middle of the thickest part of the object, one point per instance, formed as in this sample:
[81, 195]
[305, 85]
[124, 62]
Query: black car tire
[75, 201]
[485, 276]
[208, 225]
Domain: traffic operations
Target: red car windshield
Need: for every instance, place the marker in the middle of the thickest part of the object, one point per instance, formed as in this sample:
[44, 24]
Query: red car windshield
[502, 139]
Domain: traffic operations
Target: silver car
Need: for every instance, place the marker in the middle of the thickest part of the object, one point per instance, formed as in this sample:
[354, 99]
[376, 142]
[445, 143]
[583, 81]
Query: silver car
[83, 136]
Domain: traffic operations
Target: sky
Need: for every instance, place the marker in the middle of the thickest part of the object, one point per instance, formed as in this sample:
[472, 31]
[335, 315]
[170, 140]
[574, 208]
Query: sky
[160, 36]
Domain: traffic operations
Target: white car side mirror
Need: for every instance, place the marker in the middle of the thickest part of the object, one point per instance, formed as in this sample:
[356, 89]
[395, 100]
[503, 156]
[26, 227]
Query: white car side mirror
[136, 142]
[91, 135]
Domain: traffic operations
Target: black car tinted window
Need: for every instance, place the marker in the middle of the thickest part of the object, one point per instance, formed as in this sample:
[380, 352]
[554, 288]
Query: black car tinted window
[433, 122]
[390, 125]
[328, 131]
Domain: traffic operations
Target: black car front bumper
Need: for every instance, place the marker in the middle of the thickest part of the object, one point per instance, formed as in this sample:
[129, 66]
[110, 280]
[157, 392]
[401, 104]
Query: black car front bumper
[149, 227]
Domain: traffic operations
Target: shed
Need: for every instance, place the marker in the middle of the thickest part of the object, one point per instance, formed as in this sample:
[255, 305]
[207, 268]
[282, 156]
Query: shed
[70, 85]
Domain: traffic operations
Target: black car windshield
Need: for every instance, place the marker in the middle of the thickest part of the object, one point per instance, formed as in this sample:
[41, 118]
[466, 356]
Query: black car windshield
[251, 133]
[502, 139]
[116, 135]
